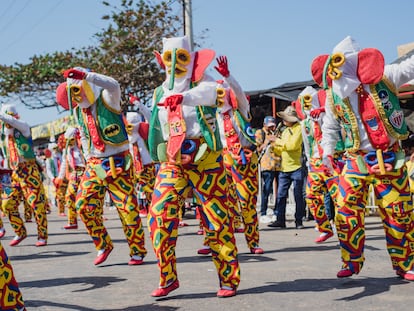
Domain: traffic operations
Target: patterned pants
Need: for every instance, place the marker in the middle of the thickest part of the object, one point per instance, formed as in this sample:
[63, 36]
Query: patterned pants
[70, 195]
[394, 201]
[10, 296]
[90, 199]
[244, 179]
[146, 180]
[27, 180]
[207, 179]
[60, 196]
[318, 183]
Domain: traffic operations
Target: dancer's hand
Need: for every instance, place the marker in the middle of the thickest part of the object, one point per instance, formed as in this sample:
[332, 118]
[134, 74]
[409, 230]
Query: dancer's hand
[74, 74]
[223, 67]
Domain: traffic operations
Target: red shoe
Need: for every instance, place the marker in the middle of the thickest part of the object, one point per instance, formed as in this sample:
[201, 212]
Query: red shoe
[323, 237]
[15, 241]
[135, 262]
[68, 227]
[62, 214]
[204, 251]
[102, 257]
[409, 275]
[182, 224]
[225, 293]
[29, 220]
[164, 291]
[2, 233]
[200, 232]
[257, 250]
[41, 243]
[347, 272]
[239, 230]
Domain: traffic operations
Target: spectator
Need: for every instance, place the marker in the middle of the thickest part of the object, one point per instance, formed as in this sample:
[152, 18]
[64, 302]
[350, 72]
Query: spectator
[269, 163]
[289, 147]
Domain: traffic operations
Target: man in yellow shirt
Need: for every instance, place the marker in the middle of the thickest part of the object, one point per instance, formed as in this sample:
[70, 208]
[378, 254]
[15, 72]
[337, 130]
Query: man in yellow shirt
[289, 147]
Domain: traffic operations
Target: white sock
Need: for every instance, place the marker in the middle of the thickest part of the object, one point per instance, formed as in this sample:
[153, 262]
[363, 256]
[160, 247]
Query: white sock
[226, 287]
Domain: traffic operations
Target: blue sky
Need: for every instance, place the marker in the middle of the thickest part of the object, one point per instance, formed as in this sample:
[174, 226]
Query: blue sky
[267, 42]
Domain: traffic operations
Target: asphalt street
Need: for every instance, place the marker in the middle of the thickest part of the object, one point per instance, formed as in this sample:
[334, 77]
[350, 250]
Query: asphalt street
[293, 274]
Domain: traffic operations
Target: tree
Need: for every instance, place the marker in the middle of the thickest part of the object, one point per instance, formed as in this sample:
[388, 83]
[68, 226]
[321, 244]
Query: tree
[124, 51]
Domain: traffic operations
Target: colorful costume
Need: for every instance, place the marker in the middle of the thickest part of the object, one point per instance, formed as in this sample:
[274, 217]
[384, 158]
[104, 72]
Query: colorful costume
[310, 108]
[363, 104]
[26, 177]
[53, 165]
[10, 296]
[109, 164]
[144, 167]
[71, 170]
[184, 137]
[240, 160]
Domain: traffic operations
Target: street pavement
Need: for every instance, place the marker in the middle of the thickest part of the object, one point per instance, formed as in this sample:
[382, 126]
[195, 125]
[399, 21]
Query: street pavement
[293, 274]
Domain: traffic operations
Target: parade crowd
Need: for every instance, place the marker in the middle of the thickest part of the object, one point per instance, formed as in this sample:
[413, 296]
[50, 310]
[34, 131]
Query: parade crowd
[334, 145]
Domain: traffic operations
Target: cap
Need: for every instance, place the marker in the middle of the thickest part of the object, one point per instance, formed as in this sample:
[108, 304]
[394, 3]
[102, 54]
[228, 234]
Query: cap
[289, 114]
[269, 121]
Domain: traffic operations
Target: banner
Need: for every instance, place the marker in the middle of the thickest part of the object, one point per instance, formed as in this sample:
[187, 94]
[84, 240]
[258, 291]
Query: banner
[53, 128]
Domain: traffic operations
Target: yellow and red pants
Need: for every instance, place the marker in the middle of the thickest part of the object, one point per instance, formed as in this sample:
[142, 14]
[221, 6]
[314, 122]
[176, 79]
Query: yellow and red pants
[392, 194]
[26, 179]
[146, 179]
[96, 180]
[207, 179]
[243, 195]
[61, 196]
[10, 296]
[71, 188]
[317, 184]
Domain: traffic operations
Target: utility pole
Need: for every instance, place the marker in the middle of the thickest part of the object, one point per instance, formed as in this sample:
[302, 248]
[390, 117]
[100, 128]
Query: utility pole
[188, 22]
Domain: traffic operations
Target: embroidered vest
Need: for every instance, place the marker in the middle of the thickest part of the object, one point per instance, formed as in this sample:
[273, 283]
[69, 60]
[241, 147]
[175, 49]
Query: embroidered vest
[245, 127]
[24, 145]
[155, 137]
[386, 103]
[110, 124]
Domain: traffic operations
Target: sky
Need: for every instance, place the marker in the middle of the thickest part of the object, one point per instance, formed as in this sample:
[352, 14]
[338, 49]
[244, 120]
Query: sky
[267, 42]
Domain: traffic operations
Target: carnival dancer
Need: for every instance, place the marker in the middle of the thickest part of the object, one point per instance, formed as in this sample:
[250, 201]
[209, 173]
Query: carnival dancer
[26, 177]
[310, 107]
[108, 161]
[53, 164]
[363, 103]
[240, 160]
[184, 137]
[72, 169]
[144, 167]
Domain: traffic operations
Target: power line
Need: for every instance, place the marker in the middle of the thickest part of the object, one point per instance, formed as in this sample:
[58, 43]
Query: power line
[14, 17]
[7, 9]
[40, 20]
